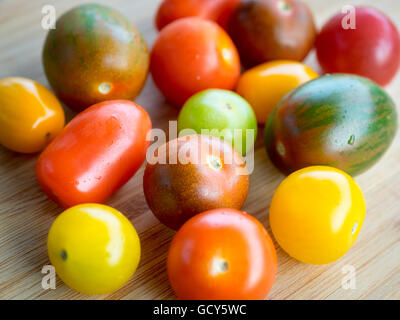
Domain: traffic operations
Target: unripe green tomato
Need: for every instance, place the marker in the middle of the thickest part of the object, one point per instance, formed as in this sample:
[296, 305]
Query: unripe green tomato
[220, 113]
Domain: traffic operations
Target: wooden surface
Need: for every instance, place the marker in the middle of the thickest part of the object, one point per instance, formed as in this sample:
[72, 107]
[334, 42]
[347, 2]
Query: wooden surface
[26, 213]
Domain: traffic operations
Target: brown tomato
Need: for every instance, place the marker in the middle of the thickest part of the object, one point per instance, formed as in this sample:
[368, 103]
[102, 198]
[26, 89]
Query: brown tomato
[192, 174]
[266, 30]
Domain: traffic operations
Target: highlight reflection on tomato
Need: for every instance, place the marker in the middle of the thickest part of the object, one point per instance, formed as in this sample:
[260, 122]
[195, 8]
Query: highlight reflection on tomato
[317, 213]
[222, 254]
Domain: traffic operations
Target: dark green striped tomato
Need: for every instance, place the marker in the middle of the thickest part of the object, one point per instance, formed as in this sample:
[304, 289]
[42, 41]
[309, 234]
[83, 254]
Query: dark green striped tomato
[95, 54]
[340, 120]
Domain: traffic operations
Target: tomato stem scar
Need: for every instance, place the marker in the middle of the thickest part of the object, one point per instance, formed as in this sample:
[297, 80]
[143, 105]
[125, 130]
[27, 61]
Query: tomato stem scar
[280, 148]
[104, 87]
[214, 162]
[219, 266]
[228, 106]
[64, 255]
[283, 5]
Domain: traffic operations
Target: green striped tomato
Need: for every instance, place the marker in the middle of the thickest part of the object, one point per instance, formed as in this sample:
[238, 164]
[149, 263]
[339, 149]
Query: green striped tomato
[95, 54]
[340, 120]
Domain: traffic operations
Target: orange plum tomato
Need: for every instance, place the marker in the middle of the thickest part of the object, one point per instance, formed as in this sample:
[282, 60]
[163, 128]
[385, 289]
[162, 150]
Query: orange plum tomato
[95, 154]
[317, 213]
[265, 85]
[191, 55]
[30, 115]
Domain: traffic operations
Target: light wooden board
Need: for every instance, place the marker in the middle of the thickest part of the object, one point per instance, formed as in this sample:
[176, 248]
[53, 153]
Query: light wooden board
[26, 214]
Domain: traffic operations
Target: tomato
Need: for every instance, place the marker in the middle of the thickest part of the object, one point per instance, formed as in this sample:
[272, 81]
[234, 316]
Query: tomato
[215, 10]
[316, 214]
[191, 55]
[192, 174]
[95, 54]
[371, 50]
[222, 254]
[223, 114]
[266, 30]
[30, 115]
[95, 154]
[340, 120]
[265, 85]
[94, 248]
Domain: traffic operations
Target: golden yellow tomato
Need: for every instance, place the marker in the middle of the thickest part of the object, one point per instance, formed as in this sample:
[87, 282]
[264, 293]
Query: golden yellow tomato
[316, 214]
[30, 115]
[265, 85]
[94, 248]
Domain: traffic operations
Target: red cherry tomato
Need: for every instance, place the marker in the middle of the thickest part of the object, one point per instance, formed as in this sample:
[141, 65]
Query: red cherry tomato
[371, 50]
[95, 154]
[191, 55]
[215, 10]
[222, 254]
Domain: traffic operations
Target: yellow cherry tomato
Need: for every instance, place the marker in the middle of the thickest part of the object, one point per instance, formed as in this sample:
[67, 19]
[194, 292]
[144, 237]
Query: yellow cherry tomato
[316, 214]
[30, 115]
[265, 85]
[94, 248]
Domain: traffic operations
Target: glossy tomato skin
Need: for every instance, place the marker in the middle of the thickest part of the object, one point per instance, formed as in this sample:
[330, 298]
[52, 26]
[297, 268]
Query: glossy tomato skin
[95, 54]
[371, 50]
[94, 248]
[265, 85]
[214, 10]
[340, 120]
[316, 214]
[30, 115]
[222, 254]
[192, 174]
[191, 55]
[95, 154]
[265, 30]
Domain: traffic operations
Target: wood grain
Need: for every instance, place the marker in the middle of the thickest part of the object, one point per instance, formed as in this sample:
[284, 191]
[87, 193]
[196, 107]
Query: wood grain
[26, 214]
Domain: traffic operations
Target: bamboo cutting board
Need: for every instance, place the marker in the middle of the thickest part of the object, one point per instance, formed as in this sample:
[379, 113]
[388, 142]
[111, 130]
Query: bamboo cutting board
[26, 213]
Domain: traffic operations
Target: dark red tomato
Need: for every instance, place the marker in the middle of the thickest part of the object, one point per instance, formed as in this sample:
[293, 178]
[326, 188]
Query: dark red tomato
[265, 30]
[193, 174]
[222, 254]
[95, 154]
[371, 50]
[215, 10]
